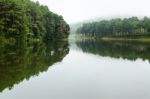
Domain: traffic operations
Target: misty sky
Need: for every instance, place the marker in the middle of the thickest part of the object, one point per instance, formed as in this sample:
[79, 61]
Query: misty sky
[79, 10]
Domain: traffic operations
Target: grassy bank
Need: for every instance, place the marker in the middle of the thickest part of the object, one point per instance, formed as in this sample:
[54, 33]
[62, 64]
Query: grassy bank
[139, 39]
[74, 37]
[142, 39]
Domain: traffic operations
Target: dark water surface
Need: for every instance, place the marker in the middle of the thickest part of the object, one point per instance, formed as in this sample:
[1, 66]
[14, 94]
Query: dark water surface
[85, 70]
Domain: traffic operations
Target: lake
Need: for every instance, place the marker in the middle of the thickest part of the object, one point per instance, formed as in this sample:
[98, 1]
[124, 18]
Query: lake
[79, 70]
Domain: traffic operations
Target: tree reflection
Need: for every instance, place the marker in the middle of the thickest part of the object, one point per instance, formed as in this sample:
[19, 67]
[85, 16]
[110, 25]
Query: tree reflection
[126, 50]
[22, 61]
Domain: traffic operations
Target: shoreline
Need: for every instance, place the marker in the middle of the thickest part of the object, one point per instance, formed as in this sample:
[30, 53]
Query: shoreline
[142, 39]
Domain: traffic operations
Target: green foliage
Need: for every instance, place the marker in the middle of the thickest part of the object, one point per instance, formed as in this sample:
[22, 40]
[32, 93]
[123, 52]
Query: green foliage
[127, 27]
[30, 21]
[28, 35]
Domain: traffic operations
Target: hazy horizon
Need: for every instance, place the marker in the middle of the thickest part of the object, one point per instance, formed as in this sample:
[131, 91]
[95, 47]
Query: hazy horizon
[79, 10]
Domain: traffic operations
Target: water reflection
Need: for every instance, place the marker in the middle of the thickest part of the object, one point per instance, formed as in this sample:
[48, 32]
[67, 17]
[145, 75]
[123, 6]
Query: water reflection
[125, 50]
[21, 61]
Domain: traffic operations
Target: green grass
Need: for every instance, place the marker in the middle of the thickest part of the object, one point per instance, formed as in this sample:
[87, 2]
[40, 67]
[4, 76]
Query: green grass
[80, 37]
[142, 39]
[129, 39]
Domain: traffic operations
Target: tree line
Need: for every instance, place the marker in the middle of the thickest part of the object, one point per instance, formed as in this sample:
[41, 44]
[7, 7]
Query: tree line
[29, 21]
[127, 27]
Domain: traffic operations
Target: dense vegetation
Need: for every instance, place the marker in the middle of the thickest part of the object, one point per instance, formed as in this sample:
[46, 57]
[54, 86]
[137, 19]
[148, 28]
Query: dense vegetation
[125, 50]
[30, 40]
[29, 21]
[127, 27]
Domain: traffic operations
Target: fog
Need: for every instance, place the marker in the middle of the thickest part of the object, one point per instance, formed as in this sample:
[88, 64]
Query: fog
[79, 10]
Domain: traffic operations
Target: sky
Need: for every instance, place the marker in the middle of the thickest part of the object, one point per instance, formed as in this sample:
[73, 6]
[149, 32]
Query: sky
[79, 10]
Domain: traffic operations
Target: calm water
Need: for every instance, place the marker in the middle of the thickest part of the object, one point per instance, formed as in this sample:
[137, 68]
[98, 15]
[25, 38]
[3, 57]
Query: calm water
[85, 70]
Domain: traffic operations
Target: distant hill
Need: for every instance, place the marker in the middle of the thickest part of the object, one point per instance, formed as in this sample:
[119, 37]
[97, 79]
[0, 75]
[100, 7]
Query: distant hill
[75, 26]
